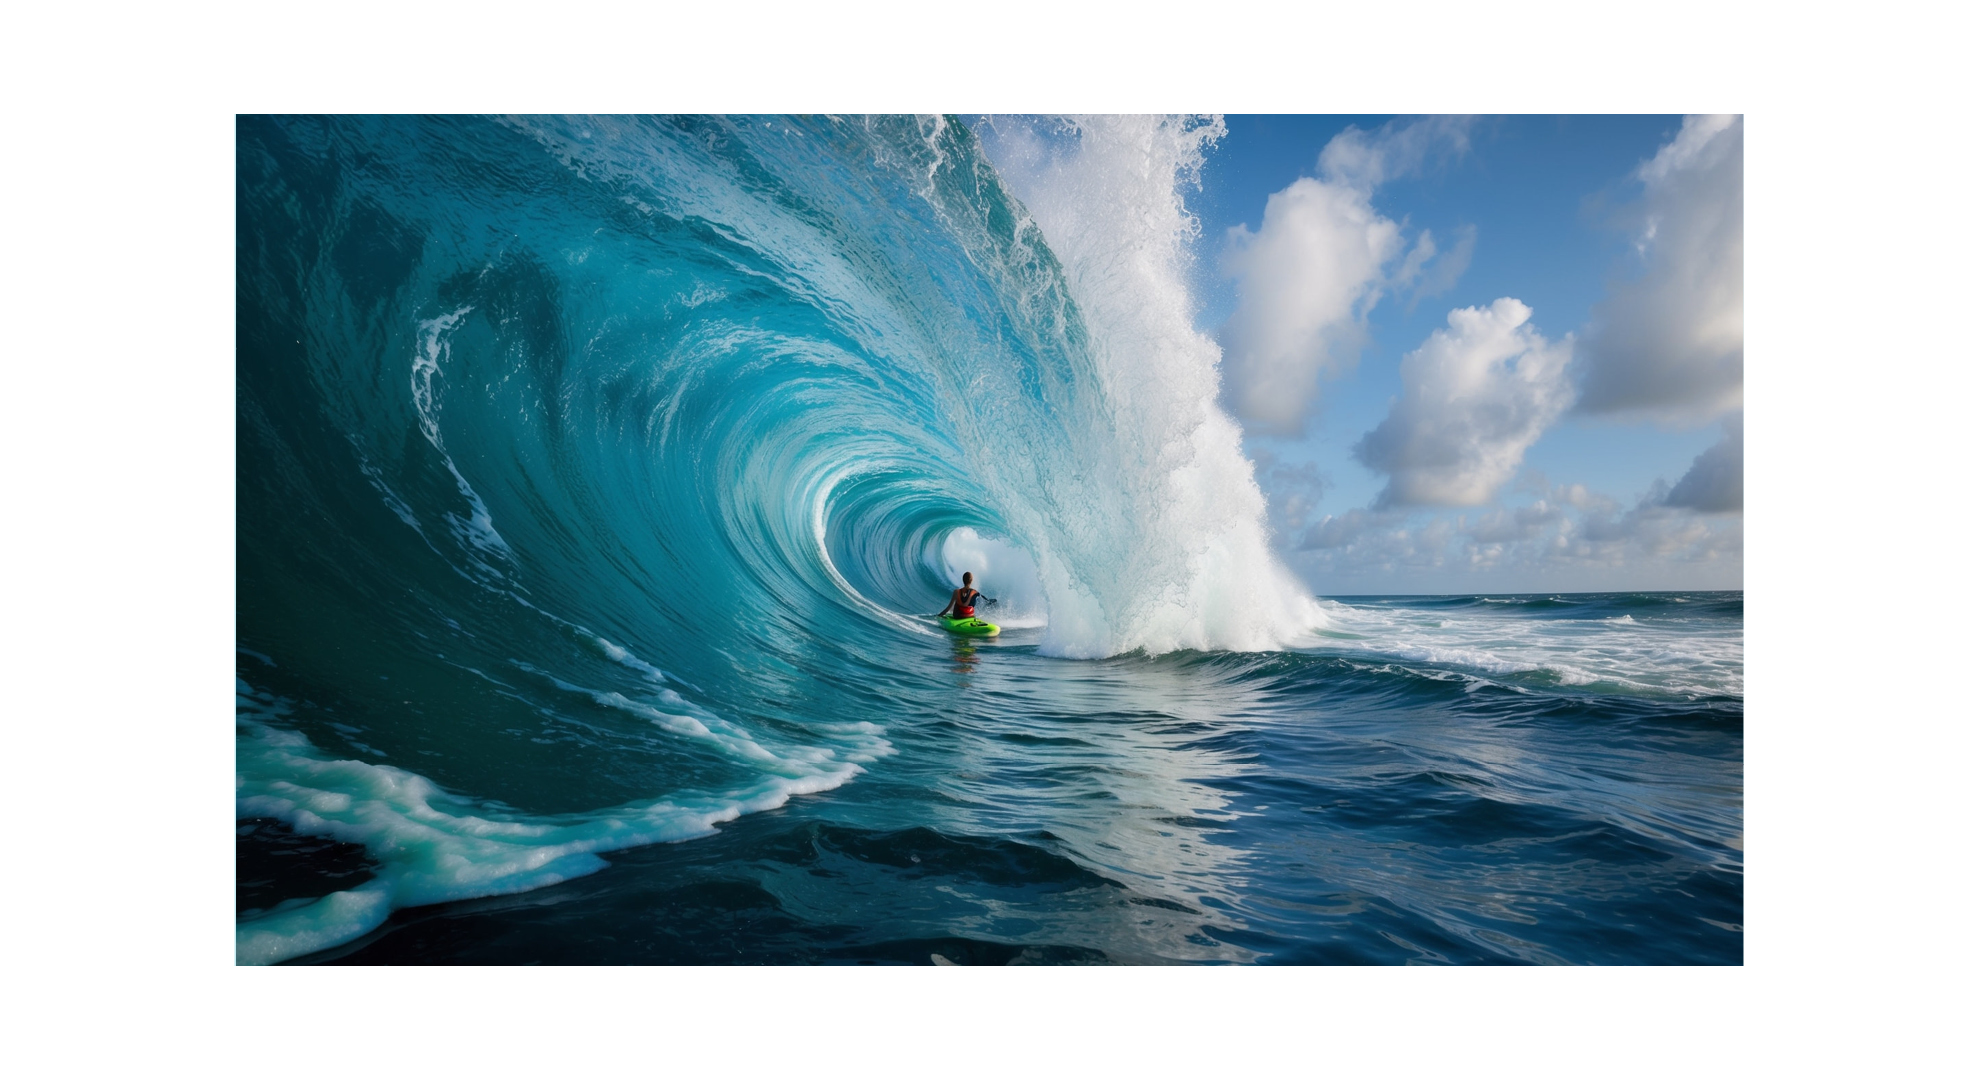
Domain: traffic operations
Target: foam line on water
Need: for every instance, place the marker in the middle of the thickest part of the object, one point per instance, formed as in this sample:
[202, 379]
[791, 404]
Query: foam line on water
[434, 846]
[475, 530]
[1622, 653]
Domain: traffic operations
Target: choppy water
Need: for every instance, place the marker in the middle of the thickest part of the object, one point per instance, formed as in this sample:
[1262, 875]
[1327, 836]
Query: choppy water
[596, 477]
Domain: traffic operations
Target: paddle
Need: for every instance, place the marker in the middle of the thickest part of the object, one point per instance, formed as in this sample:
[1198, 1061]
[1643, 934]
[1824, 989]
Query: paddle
[984, 600]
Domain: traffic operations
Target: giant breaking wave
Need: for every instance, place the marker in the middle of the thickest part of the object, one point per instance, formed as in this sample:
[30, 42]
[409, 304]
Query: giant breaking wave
[616, 435]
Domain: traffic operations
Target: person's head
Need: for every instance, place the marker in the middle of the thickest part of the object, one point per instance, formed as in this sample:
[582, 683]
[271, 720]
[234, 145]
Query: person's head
[966, 579]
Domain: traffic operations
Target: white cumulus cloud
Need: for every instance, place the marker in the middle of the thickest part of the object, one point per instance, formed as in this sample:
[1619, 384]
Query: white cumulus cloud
[1319, 261]
[1476, 395]
[1671, 341]
[1304, 282]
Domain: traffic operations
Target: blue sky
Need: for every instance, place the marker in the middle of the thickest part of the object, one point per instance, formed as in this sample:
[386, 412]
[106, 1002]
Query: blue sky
[1559, 213]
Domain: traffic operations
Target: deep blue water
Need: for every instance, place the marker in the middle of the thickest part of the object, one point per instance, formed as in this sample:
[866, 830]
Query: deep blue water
[595, 481]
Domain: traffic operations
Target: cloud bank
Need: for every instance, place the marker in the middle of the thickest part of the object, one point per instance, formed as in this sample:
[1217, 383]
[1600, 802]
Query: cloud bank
[1475, 396]
[1570, 536]
[1670, 343]
[1319, 261]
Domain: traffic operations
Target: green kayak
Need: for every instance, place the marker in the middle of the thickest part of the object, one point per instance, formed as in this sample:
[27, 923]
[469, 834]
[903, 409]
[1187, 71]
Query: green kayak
[972, 626]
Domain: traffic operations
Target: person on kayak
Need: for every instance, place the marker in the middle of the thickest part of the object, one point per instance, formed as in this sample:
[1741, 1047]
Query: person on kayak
[962, 602]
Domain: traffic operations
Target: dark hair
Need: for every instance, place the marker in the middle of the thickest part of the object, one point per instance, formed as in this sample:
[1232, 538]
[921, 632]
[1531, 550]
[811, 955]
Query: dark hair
[966, 578]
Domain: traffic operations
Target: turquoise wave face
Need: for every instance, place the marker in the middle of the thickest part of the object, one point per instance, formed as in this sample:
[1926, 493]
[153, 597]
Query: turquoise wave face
[596, 479]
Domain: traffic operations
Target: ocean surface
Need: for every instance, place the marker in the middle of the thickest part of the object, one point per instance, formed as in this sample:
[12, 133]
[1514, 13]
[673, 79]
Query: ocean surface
[596, 480]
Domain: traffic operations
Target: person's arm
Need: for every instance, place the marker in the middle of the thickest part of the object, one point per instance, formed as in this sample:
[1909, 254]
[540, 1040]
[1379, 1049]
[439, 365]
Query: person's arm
[946, 608]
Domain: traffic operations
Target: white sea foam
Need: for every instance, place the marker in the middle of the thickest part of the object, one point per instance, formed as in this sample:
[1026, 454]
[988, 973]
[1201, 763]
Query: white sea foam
[1154, 533]
[624, 656]
[1621, 652]
[433, 846]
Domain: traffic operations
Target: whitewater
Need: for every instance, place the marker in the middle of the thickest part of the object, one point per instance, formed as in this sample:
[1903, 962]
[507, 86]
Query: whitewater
[596, 481]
